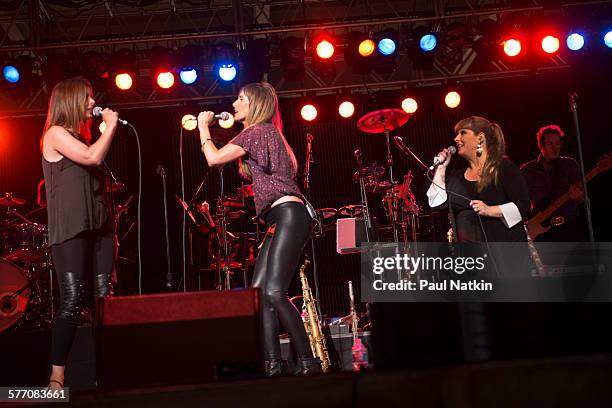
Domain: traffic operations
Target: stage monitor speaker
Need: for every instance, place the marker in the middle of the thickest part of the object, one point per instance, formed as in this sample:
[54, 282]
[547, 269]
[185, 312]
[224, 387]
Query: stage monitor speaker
[350, 233]
[178, 338]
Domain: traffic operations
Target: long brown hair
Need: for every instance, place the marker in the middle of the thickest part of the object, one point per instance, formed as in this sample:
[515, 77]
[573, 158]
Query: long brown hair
[496, 147]
[67, 105]
[263, 108]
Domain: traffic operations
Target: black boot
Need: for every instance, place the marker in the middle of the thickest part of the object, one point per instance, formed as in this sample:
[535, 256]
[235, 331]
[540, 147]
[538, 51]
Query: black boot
[274, 367]
[309, 365]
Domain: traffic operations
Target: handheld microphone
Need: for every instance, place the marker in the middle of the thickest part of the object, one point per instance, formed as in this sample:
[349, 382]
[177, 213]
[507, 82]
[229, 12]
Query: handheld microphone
[97, 111]
[438, 161]
[222, 116]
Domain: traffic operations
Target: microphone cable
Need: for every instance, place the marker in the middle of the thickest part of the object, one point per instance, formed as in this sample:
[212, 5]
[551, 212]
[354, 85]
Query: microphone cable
[139, 206]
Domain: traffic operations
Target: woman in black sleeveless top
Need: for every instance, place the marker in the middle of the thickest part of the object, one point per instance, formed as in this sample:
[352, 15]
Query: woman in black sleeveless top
[80, 230]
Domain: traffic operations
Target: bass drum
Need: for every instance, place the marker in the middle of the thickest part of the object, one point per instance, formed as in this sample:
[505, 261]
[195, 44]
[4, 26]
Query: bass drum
[15, 294]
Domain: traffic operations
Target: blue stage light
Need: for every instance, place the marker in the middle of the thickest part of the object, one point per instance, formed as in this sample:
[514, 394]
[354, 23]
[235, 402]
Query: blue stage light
[227, 72]
[188, 76]
[386, 46]
[428, 42]
[575, 41]
[608, 39]
[11, 74]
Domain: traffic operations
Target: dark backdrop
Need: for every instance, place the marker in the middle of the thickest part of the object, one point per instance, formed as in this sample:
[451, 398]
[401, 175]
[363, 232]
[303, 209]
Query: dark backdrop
[520, 105]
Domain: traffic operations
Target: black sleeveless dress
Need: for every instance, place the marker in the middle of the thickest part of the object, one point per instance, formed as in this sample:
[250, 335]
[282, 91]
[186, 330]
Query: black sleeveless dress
[76, 199]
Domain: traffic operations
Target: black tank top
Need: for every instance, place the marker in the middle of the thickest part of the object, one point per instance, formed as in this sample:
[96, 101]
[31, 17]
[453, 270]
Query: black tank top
[76, 200]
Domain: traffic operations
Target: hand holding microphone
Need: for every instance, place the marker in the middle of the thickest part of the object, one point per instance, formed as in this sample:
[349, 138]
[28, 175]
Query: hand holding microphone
[443, 158]
[207, 117]
[109, 116]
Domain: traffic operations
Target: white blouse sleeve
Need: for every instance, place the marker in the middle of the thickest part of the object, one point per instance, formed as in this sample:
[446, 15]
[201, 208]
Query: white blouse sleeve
[436, 195]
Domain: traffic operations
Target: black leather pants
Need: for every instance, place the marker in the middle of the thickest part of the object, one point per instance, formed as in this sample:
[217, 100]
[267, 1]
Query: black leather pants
[275, 267]
[73, 260]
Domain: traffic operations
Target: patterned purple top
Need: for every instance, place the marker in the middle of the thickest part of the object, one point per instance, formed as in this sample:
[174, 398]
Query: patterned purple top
[270, 164]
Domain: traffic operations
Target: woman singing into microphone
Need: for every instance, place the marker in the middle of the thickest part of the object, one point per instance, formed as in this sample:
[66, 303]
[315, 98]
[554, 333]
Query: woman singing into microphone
[80, 231]
[270, 162]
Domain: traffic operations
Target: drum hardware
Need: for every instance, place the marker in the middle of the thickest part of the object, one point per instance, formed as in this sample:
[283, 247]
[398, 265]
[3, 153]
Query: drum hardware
[8, 200]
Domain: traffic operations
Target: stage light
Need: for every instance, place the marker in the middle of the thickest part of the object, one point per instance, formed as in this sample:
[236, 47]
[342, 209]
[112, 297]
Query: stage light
[346, 109]
[188, 76]
[227, 72]
[11, 74]
[608, 39]
[428, 42]
[123, 68]
[165, 80]
[512, 47]
[325, 49]
[366, 47]
[550, 44]
[575, 41]
[452, 99]
[386, 46]
[102, 127]
[189, 122]
[124, 81]
[226, 124]
[308, 112]
[409, 105]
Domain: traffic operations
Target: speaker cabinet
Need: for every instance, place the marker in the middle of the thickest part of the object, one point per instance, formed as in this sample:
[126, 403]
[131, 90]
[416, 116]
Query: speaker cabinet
[178, 338]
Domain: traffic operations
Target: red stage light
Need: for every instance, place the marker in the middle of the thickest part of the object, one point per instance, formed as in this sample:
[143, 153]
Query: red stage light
[512, 47]
[123, 81]
[550, 44]
[346, 109]
[165, 80]
[325, 49]
[308, 112]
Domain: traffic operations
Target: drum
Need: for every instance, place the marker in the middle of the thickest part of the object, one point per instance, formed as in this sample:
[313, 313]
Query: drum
[15, 294]
[25, 243]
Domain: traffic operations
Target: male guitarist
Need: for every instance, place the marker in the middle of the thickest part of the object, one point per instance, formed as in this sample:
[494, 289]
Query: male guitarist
[548, 177]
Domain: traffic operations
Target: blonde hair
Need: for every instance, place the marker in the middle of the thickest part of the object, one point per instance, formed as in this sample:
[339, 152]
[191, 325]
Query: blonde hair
[263, 108]
[67, 106]
[496, 147]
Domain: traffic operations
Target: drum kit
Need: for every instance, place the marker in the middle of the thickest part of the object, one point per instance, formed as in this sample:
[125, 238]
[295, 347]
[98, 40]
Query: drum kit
[406, 220]
[27, 290]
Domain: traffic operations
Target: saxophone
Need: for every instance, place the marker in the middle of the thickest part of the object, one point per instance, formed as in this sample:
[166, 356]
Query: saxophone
[311, 322]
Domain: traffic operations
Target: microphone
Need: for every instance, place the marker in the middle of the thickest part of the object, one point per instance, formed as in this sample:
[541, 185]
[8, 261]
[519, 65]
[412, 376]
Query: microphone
[438, 161]
[97, 111]
[222, 116]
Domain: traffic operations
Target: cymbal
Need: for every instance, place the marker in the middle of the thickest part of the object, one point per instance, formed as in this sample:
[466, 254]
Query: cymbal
[381, 120]
[351, 210]
[9, 201]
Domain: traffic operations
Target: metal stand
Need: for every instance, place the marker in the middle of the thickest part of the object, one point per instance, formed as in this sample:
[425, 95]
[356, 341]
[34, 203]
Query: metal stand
[587, 202]
[225, 245]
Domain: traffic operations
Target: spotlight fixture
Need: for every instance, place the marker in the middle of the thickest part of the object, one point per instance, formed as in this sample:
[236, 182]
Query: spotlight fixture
[452, 99]
[410, 105]
[308, 112]
[346, 109]
[189, 122]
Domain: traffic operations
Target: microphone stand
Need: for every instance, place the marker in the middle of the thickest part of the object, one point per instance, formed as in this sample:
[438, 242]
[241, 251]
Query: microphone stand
[223, 225]
[162, 172]
[587, 202]
[364, 198]
[307, 175]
